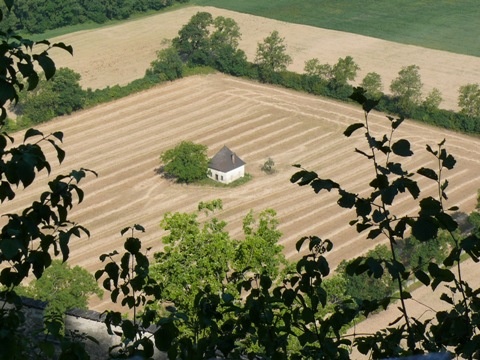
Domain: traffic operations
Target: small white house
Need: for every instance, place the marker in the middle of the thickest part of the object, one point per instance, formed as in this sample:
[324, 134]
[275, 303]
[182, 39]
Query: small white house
[226, 166]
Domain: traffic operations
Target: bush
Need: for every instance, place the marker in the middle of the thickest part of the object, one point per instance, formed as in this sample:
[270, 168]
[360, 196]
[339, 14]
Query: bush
[167, 66]
[268, 167]
[60, 96]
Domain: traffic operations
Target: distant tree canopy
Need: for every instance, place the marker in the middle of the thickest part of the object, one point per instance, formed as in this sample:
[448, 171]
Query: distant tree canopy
[315, 69]
[193, 42]
[209, 41]
[271, 55]
[36, 16]
[469, 100]
[372, 84]
[60, 96]
[167, 66]
[407, 88]
[433, 100]
[187, 162]
[344, 70]
[328, 80]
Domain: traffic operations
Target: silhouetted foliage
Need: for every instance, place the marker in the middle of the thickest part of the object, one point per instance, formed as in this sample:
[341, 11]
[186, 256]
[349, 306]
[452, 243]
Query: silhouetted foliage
[31, 238]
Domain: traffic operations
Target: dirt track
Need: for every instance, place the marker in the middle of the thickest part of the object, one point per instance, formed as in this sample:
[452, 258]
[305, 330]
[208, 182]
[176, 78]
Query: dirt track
[121, 53]
[122, 141]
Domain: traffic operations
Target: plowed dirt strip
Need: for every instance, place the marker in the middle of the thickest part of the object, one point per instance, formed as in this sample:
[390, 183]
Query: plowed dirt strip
[122, 141]
[120, 54]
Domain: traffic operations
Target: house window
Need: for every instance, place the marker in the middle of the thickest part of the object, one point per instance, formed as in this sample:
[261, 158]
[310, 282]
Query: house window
[216, 177]
[222, 177]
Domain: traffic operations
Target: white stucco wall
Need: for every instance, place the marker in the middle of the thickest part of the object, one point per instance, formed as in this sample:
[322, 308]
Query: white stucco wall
[226, 178]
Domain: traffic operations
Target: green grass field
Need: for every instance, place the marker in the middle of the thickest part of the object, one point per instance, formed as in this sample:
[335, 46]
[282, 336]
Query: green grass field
[451, 25]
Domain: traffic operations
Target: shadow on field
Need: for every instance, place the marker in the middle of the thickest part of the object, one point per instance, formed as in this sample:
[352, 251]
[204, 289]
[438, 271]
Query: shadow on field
[160, 171]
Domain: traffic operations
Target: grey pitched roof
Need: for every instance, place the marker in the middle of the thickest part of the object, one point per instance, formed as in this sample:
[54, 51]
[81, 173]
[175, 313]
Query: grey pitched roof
[225, 160]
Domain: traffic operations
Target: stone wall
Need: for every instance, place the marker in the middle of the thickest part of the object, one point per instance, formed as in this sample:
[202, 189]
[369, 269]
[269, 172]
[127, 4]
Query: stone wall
[80, 321]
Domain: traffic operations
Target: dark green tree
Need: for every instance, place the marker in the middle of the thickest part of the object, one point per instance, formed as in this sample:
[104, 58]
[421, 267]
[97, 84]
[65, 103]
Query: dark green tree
[193, 41]
[361, 287]
[36, 16]
[60, 96]
[226, 33]
[94, 11]
[344, 70]
[30, 15]
[9, 21]
[225, 54]
[210, 41]
[318, 76]
[168, 65]
[187, 162]
[66, 86]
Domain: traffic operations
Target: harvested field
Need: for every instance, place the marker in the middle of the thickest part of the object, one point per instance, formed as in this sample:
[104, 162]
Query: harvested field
[120, 54]
[122, 141]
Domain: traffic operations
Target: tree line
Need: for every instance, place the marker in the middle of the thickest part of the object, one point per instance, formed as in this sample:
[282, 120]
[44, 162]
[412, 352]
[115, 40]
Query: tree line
[37, 16]
[211, 42]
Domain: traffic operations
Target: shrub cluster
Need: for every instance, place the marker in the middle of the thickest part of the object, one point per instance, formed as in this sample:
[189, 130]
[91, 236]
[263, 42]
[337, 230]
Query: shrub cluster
[197, 45]
[207, 43]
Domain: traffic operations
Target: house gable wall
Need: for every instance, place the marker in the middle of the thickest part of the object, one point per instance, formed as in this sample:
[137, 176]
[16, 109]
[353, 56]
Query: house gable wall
[228, 177]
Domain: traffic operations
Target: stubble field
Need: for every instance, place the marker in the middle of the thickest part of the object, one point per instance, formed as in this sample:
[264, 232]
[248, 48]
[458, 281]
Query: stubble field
[122, 140]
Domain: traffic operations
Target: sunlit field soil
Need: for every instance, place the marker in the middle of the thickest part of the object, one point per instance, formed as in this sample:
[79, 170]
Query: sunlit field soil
[122, 141]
